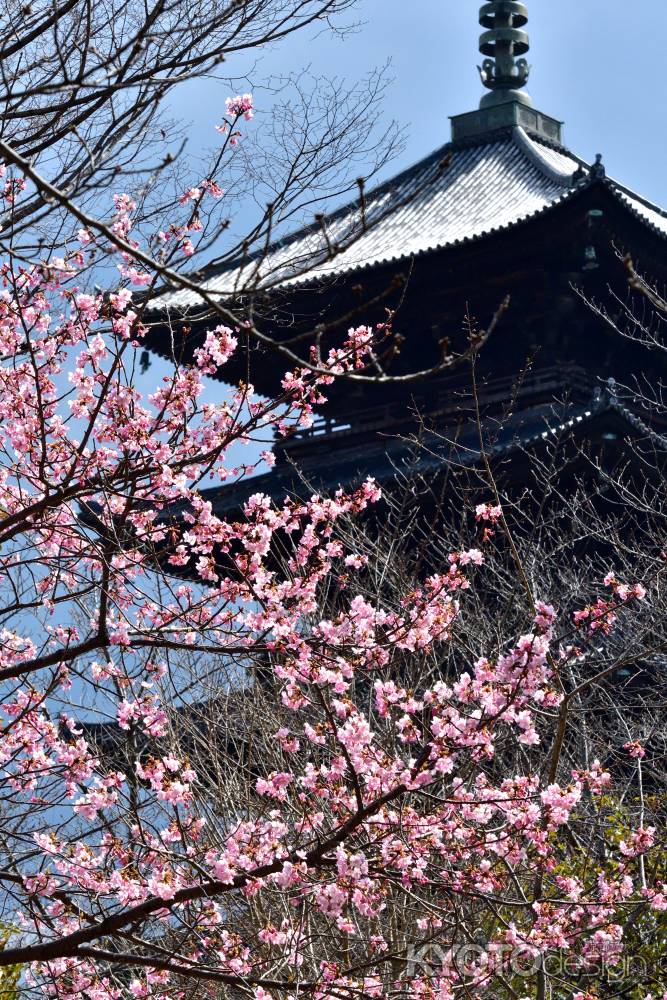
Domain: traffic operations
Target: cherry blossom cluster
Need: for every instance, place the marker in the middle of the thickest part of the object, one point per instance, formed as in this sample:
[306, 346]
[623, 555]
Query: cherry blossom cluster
[368, 794]
[602, 615]
[236, 108]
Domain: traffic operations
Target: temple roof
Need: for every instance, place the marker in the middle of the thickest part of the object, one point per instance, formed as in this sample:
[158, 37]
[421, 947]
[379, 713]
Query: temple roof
[462, 192]
[505, 167]
[390, 457]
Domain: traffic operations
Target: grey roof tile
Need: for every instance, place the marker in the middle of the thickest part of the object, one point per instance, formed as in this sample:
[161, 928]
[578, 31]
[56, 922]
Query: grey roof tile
[480, 189]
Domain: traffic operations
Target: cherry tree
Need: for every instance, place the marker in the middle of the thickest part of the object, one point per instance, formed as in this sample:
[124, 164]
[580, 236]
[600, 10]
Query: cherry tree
[277, 800]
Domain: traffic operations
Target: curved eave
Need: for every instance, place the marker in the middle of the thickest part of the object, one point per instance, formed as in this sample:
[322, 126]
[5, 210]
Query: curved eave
[590, 189]
[485, 234]
[392, 460]
[574, 426]
[630, 202]
[506, 174]
[191, 312]
[626, 200]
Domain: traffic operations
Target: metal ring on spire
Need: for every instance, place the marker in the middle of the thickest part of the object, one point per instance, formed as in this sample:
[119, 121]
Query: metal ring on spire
[517, 11]
[491, 41]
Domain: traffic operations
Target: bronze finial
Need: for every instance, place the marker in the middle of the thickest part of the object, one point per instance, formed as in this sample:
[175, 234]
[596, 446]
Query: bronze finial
[504, 72]
[502, 42]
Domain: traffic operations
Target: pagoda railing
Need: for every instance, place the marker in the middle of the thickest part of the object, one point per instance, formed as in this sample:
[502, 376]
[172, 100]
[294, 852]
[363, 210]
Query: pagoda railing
[451, 398]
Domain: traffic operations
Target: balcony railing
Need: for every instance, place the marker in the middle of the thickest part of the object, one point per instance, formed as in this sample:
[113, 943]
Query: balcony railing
[448, 399]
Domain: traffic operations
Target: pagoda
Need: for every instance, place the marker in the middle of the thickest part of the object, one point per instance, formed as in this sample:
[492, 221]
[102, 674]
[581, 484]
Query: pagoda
[502, 216]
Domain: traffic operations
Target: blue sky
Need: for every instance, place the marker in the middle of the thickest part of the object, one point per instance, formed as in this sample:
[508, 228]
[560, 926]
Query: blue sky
[598, 65]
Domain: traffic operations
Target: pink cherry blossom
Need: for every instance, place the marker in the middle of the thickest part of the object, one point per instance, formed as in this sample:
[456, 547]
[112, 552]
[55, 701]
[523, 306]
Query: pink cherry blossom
[240, 105]
[378, 771]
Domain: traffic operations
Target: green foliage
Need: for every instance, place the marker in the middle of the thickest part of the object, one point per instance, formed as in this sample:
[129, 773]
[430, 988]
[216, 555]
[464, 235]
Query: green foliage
[643, 969]
[9, 975]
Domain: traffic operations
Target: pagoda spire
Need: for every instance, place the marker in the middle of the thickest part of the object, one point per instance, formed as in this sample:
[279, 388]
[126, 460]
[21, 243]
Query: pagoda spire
[504, 72]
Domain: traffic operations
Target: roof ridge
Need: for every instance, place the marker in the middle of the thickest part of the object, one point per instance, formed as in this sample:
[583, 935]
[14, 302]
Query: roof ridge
[635, 420]
[528, 143]
[558, 147]
[629, 193]
[521, 139]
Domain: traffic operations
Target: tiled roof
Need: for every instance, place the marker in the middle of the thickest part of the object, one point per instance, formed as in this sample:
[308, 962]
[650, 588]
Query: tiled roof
[390, 459]
[386, 458]
[457, 194]
[656, 218]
